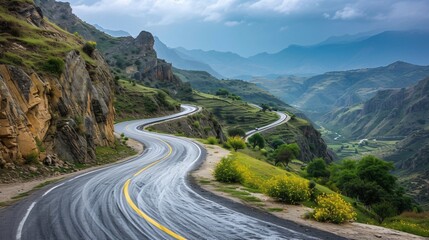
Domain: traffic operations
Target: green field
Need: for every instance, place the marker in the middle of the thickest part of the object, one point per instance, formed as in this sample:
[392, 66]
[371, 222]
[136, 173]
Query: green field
[234, 113]
[354, 150]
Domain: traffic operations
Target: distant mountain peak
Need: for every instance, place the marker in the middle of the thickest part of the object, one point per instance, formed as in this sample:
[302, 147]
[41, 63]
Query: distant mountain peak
[113, 33]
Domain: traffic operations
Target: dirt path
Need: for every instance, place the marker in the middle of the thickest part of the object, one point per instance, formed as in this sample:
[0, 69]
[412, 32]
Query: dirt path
[204, 176]
[11, 190]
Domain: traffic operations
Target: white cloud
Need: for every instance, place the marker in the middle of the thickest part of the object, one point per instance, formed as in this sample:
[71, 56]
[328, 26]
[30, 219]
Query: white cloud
[233, 23]
[347, 13]
[167, 12]
[283, 6]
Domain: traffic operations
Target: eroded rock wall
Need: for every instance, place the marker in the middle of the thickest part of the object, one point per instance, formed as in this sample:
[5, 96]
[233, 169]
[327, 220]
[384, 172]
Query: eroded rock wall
[67, 115]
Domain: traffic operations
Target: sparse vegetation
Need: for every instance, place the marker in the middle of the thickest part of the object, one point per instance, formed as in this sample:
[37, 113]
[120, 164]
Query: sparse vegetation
[54, 65]
[31, 158]
[212, 140]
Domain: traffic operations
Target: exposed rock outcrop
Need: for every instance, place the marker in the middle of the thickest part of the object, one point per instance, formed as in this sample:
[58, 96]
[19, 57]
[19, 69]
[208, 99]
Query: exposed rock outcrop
[70, 115]
[42, 113]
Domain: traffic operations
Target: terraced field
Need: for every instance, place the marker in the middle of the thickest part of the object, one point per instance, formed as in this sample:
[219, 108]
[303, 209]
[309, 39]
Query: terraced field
[234, 113]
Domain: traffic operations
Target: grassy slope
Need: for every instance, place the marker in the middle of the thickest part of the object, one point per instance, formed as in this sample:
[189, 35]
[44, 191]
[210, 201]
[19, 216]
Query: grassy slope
[137, 101]
[36, 45]
[408, 222]
[233, 114]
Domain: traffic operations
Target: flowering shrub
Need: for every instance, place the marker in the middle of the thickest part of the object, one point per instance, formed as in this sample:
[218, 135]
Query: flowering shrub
[227, 171]
[333, 208]
[248, 178]
[288, 189]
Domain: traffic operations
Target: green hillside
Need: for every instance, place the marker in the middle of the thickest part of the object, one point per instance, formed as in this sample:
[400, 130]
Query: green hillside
[204, 82]
[135, 101]
[234, 113]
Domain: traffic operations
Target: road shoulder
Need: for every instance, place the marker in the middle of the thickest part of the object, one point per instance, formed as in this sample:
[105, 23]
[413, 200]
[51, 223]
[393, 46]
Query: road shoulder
[10, 191]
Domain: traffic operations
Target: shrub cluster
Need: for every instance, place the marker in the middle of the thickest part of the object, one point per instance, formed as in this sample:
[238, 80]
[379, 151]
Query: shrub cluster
[288, 189]
[332, 208]
[212, 140]
[54, 65]
[89, 47]
[227, 171]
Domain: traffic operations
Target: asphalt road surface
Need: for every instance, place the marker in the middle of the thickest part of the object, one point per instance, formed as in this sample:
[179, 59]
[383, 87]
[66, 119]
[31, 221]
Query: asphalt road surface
[147, 197]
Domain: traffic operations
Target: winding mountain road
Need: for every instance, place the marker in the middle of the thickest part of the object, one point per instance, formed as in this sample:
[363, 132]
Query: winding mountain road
[147, 197]
[283, 118]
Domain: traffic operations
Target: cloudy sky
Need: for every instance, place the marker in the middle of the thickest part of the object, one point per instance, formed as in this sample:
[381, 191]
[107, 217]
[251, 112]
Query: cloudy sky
[253, 26]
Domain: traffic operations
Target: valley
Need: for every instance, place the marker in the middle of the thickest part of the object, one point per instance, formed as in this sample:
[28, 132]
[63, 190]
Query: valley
[227, 146]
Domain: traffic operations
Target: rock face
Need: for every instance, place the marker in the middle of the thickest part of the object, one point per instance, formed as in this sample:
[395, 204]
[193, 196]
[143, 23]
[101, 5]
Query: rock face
[135, 58]
[43, 114]
[69, 115]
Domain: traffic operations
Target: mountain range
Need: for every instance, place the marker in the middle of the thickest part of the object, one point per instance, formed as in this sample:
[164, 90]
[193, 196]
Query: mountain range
[394, 114]
[323, 93]
[333, 54]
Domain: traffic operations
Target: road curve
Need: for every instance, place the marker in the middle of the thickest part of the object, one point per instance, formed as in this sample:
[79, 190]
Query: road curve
[283, 118]
[147, 197]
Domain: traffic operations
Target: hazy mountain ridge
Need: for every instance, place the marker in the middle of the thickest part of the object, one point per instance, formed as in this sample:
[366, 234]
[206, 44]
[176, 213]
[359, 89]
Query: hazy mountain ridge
[334, 54]
[113, 33]
[186, 63]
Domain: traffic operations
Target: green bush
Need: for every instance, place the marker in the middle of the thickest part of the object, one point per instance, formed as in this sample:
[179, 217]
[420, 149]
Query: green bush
[236, 143]
[332, 208]
[196, 124]
[89, 47]
[227, 171]
[317, 168]
[288, 189]
[212, 140]
[54, 65]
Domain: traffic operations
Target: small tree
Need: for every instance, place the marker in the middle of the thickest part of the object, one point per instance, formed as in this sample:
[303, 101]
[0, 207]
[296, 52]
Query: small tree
[257, 140]
[236, 143]
[383, 210]
[317, 168]
[286, 152]
[277, 143]
[265, 107]
[236, 132]
[222, 92]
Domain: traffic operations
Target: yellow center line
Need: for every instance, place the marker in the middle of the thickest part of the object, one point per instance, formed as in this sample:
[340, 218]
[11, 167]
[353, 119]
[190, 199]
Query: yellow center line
[140, 212]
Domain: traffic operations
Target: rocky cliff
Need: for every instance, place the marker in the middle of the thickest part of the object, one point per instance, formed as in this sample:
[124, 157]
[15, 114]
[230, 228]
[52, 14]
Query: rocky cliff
[55, 101]
[133, 58]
